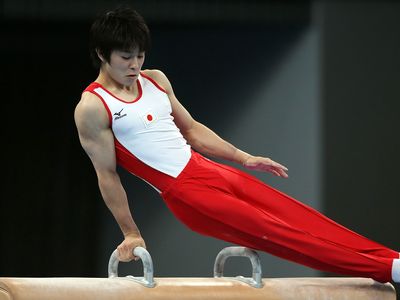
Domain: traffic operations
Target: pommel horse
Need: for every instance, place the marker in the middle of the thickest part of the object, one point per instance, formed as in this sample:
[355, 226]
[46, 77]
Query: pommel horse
[219, 287]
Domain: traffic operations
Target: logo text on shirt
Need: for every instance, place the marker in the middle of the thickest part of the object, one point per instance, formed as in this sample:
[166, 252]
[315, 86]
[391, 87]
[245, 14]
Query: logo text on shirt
[118, 115]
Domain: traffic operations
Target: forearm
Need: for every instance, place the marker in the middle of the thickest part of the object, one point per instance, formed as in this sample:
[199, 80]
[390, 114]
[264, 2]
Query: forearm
[204, 140]
[116, 200]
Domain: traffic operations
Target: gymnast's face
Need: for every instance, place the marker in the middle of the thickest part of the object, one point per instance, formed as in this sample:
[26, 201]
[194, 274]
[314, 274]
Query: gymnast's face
[124, 66]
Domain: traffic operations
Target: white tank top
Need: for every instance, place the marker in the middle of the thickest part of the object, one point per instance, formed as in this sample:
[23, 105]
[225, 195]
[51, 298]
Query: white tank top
[145, 126]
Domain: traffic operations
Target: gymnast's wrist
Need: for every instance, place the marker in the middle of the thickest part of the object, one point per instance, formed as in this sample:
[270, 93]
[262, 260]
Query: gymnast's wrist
[241, 157]
[133, 233]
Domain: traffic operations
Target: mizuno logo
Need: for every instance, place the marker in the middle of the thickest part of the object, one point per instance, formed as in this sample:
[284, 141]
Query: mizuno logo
[118, 115]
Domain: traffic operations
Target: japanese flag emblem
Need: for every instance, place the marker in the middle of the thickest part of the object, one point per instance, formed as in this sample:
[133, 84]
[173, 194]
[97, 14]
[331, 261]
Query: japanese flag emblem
[149, 118]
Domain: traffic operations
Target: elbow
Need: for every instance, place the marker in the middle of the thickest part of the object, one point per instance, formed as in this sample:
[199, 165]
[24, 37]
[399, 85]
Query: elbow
[189, 133]
[196, 143]
[107, 177]
[198, 137]
[190, 139]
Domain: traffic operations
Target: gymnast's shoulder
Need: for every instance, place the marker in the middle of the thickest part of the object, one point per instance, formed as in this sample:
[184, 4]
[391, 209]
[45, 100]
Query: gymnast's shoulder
[158, 77]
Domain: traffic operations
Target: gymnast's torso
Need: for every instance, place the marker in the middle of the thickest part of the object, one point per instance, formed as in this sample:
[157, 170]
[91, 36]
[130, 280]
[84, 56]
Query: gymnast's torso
[145, 134]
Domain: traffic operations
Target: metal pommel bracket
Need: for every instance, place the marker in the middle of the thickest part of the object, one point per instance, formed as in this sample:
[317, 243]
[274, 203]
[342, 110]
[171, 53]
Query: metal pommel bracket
[256, 280]
[148, 271]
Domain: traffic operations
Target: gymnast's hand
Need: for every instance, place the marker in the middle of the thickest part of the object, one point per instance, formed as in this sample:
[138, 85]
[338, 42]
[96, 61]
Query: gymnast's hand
[265, 164]
[125, 249]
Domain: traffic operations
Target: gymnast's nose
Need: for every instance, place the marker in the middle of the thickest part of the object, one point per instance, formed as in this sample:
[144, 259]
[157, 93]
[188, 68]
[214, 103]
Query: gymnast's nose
[134, 63]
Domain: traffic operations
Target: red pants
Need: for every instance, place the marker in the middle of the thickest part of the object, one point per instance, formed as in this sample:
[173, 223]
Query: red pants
[222, 202]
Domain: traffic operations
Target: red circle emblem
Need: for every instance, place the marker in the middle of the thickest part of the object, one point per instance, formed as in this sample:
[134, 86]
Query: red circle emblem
[149, 118]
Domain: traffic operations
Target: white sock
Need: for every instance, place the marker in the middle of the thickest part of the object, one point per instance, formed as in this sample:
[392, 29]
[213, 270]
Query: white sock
[396, 270]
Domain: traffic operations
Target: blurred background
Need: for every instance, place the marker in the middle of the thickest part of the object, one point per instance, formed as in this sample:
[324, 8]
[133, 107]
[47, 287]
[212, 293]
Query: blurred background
[312, 84]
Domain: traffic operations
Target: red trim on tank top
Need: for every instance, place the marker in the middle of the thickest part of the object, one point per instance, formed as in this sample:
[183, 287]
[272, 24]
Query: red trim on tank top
[140, 92]
[90, 89]
[153, 82]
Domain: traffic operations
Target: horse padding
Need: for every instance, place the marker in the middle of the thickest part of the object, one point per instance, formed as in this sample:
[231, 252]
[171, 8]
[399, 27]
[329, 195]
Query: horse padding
[313, 288]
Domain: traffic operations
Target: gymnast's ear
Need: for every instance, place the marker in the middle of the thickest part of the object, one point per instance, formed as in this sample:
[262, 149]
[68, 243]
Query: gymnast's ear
[100, 56]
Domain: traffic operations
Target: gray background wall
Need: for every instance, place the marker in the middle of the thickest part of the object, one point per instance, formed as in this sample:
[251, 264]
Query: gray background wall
[360, 93]
[313, 85]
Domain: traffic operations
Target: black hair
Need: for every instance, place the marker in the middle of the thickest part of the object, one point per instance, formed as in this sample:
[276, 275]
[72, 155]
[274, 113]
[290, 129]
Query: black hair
[120, 29]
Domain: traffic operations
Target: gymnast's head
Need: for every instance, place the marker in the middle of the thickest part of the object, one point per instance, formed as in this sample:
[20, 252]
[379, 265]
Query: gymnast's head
[122, 29]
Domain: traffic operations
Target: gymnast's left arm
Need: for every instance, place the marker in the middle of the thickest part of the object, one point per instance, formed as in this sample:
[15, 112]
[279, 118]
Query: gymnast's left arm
[206, 141]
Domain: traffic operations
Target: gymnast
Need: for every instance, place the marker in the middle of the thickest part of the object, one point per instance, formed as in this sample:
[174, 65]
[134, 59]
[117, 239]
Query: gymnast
[131, 117]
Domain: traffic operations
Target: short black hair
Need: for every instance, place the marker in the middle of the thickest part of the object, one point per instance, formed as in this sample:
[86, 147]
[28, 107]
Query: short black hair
[120, 29]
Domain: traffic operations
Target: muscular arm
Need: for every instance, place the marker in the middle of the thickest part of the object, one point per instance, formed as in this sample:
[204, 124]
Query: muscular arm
[98, 142]
[206, 141]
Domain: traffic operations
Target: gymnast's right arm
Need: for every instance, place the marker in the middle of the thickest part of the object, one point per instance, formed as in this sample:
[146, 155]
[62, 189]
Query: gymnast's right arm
[97, 140]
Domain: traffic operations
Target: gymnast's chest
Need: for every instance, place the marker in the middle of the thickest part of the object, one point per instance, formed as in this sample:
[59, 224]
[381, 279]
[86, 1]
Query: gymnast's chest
[146, 114]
